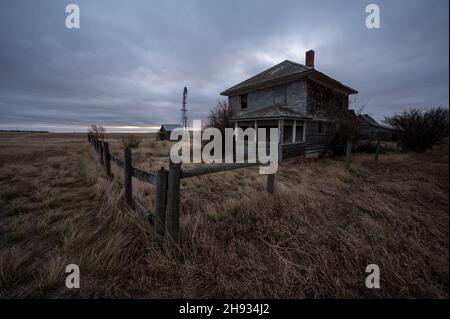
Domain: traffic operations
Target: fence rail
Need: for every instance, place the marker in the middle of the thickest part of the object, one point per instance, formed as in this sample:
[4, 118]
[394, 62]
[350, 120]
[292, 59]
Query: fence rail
[117, 161]
[144, 176]
[166, 217]
[214, 168]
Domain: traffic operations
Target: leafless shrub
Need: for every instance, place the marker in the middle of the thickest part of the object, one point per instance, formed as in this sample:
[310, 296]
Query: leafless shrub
[131, 141]
[97, 130]
[420, 129]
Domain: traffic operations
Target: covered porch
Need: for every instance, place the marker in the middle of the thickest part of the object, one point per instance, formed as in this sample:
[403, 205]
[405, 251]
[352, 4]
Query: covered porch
[291, 128]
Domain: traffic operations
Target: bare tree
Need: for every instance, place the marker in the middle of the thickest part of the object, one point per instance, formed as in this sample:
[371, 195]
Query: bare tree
[347, 127]
[94, 129]
[101, 132]
[220, 116]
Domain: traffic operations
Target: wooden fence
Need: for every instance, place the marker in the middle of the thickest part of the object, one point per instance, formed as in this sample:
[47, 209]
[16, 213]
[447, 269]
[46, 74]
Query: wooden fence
[166, 217]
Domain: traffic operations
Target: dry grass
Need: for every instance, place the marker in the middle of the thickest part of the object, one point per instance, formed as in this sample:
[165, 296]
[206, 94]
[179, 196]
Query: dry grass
[313, 239]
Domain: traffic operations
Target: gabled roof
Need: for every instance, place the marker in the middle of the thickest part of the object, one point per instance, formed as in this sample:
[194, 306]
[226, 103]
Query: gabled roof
[271, 112]
[371, 121]
[281, 73]
[170, 127]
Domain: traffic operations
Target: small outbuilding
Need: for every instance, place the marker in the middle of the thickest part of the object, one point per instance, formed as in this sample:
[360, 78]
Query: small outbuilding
[372, 130]
[166, 129]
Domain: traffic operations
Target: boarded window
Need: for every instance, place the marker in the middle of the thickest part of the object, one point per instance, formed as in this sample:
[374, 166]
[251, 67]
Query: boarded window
[243, 101]
[299, 133]
[279, 95]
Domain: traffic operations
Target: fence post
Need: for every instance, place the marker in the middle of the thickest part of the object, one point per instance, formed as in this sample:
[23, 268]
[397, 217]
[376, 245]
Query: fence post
[348, 156]
[107, 158]
[271, 183]
[160, 205]
[128, 176]
[100, 147]
[173, 201]
[377, 150]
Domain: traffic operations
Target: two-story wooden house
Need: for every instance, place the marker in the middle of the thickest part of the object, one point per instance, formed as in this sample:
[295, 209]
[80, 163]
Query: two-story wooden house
[295, 98]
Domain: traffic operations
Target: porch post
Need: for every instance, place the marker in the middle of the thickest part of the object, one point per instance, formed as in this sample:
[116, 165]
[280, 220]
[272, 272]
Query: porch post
[256, 131]
[304, 131]
[294, 130]
[280, 142]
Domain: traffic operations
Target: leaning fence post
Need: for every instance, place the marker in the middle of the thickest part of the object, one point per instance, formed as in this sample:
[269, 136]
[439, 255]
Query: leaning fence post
[107, 158]
[271, 183]
[173, 201]
[128, 176]
[348, 156]
[160, 205]
[101, 150]
[377, 150]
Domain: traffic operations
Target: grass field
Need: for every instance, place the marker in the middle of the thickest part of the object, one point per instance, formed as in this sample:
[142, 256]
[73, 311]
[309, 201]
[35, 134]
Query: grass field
[313, 239]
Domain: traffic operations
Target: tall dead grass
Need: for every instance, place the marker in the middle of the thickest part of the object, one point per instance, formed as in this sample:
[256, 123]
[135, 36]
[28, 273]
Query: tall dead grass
[313, 239]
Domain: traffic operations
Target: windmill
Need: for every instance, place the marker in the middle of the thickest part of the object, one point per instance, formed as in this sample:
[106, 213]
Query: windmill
[184, 119]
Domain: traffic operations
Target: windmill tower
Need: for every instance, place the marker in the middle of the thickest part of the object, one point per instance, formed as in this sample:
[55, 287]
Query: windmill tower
[184, 118]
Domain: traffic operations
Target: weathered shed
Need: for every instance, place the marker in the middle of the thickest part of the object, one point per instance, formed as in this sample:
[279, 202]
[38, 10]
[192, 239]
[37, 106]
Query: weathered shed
[372, 130]
[166, 129]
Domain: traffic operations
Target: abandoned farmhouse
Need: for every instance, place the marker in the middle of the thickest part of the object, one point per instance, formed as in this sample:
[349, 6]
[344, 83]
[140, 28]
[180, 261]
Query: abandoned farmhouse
[295, 98]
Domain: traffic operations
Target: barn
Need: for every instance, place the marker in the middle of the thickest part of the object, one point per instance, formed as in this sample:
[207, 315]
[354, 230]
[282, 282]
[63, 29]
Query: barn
[166, 129]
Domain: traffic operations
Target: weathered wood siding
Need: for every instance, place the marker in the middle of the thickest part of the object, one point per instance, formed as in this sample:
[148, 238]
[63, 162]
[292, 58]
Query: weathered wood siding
[317, 140]
[293, 150]
[296, 97]
[322, 99]
[370, 132]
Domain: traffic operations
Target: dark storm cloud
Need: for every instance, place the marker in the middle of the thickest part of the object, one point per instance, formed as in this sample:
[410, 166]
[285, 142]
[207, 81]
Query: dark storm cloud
[129, 61]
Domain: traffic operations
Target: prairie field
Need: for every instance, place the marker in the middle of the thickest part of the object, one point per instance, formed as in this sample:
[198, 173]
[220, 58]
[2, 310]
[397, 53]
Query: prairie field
[312, 239]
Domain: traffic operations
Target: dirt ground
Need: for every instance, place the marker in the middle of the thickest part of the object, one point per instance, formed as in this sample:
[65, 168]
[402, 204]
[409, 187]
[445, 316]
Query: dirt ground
[312, 239]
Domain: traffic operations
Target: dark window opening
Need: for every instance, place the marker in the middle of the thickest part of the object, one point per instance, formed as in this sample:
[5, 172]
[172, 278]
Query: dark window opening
[287, 134]
[244, 101]
[299, 133]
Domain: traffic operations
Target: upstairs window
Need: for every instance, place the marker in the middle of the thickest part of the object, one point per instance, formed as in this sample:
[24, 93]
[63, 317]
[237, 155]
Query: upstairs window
[243, 101]
[279, 95]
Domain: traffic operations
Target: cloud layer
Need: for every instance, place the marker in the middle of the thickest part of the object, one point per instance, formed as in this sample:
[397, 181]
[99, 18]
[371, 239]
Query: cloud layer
[129, 61]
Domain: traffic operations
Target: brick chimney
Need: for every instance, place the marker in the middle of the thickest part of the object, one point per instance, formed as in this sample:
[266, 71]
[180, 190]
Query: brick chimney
[309, 58]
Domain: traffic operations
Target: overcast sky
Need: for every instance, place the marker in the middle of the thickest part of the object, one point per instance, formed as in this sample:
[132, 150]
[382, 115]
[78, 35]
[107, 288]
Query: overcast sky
[128, 63]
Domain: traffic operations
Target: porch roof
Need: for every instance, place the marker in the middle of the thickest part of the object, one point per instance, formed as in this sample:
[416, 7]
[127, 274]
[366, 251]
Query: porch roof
[270, 112]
